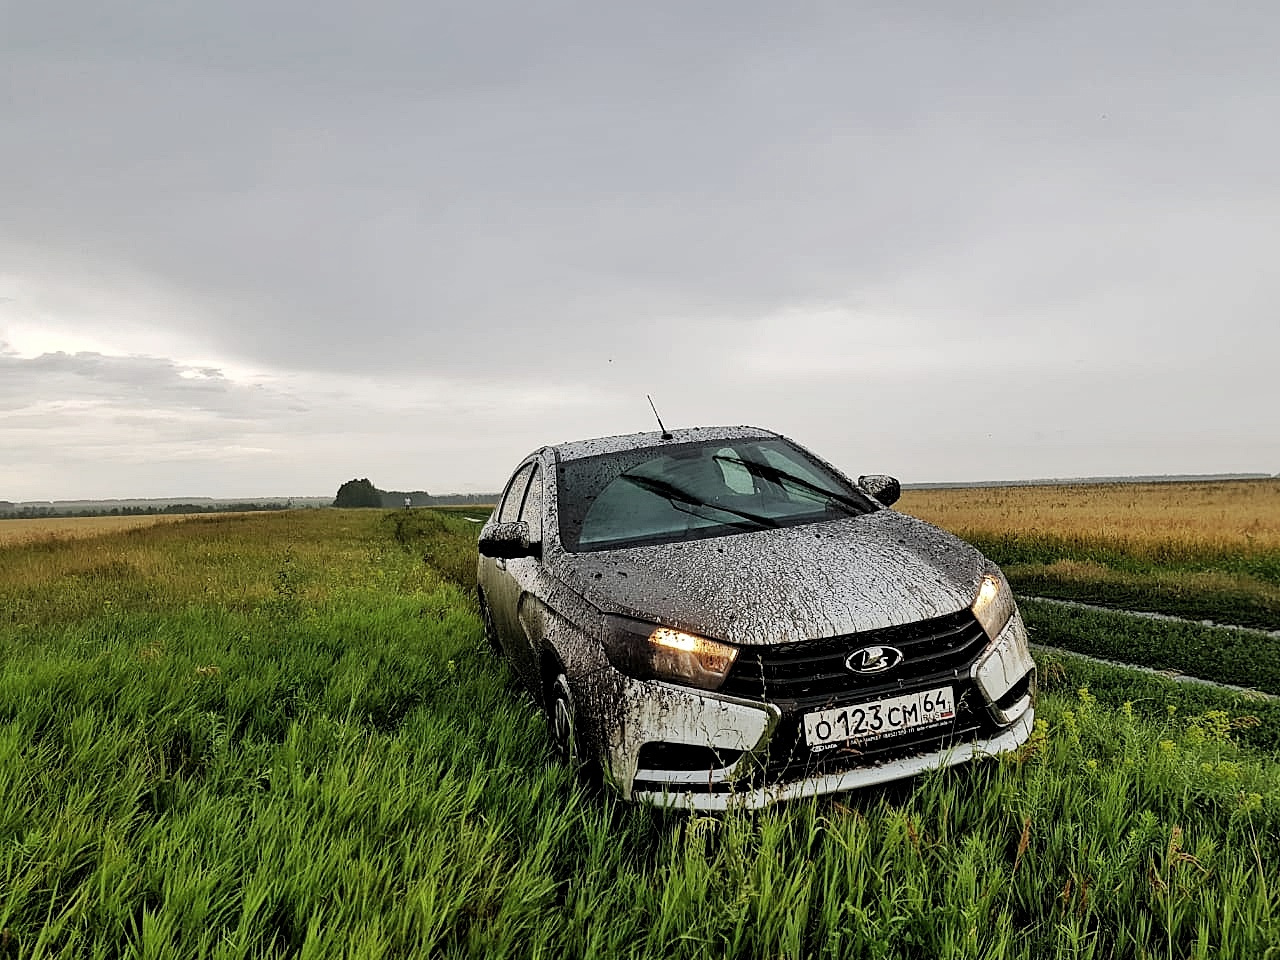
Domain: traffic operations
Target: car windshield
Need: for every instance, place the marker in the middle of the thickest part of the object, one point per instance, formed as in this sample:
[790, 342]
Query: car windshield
[691, 491]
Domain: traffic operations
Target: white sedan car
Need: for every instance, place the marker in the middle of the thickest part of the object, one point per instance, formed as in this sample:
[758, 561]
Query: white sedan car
[716, 617]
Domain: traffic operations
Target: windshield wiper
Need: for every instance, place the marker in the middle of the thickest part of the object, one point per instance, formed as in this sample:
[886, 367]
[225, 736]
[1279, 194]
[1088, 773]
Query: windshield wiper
[755, 468]
[677, 495]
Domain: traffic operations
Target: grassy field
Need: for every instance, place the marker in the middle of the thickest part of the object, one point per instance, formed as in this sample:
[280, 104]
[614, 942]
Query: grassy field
[282, 735]
[1199, 550]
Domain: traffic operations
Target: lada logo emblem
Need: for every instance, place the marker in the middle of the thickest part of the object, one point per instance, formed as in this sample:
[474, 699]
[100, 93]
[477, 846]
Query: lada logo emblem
[873, 659]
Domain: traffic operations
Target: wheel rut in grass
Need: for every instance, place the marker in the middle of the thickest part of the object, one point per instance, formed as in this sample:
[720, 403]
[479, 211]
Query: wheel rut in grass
[1150, 615]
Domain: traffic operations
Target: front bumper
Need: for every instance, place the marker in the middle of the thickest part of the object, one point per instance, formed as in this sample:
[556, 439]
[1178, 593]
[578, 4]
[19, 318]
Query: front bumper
[676, 746]
[753, 798]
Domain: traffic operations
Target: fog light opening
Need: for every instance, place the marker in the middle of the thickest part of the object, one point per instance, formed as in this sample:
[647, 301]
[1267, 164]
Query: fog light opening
[1023, 688]
[664, 755]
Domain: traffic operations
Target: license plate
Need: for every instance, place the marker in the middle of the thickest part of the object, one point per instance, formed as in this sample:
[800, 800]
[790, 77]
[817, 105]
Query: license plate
[862, 722]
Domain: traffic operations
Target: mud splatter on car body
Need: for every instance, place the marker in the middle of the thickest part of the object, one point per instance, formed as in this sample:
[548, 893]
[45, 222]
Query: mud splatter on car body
[718, 617]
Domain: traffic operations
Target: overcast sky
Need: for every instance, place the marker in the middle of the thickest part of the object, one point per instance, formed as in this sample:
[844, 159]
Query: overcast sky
[254, 249]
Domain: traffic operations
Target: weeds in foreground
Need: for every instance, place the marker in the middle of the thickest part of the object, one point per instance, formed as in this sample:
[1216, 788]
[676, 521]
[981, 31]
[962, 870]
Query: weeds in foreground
[312, 754]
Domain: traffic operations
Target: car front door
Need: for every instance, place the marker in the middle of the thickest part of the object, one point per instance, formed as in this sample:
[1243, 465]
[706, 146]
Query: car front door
[495, 581]
[529, 576]
[527, 581]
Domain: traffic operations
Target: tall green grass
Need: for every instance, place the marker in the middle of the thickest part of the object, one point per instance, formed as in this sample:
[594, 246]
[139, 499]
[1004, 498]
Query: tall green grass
[283, 736]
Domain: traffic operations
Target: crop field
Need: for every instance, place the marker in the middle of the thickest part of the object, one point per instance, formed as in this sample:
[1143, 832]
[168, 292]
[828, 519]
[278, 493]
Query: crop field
[24, 530]
[1229, 513]
[1199, 550]
[282, 734]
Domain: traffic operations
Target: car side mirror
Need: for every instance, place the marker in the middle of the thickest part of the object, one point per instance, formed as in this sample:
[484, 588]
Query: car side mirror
[885, 489]
[509, 541]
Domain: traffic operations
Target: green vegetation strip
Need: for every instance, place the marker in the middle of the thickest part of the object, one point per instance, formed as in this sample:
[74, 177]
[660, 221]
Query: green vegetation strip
[1200, 582]
[1240, 657]
[1181, 595]
[285, 737]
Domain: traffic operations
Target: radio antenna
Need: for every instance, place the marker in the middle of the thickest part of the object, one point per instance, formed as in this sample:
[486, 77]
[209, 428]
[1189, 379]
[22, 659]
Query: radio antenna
[666, 434]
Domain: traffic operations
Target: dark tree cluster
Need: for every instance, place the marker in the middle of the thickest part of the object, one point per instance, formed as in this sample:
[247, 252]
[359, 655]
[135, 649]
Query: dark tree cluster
[358, 493]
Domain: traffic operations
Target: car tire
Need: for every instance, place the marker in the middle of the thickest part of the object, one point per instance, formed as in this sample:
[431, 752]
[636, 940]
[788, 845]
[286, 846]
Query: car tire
[490, 631]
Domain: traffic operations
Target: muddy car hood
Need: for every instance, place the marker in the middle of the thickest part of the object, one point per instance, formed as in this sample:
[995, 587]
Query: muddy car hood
[777, 586]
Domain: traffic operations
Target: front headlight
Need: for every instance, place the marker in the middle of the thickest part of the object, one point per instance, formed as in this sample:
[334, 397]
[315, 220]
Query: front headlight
[994, 604]
[649, 652]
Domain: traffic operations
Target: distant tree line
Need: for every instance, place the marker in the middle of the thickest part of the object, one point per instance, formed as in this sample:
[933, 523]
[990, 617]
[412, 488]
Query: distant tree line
[29, 512]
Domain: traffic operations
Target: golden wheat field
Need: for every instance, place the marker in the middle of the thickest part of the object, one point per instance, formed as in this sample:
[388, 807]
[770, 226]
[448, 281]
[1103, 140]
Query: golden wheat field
[75, 528]
[1235, 513]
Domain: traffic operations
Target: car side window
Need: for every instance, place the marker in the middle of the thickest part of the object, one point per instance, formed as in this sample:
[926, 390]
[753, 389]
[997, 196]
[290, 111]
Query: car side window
[531, 512]
[514, 496]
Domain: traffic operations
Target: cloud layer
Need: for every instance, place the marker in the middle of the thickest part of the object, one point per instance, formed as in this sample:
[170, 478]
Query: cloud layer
[439, 235]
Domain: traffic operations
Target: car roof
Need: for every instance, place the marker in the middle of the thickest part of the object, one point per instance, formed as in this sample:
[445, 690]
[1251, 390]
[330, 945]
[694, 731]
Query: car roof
[577, 449]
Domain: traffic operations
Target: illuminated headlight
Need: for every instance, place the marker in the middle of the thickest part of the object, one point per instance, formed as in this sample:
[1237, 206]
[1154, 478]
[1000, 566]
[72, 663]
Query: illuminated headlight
[994, 604]
[649, 652]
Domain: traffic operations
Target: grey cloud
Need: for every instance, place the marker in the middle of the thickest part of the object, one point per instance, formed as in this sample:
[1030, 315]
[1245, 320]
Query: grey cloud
[132, 383]
[99, 425]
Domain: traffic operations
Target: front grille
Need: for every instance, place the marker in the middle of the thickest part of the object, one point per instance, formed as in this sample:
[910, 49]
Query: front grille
[809, 674]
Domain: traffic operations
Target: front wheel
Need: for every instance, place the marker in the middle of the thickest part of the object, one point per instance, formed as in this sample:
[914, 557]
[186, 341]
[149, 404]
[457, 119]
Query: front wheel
[563, 720]
[566, 736]
[490, 631]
